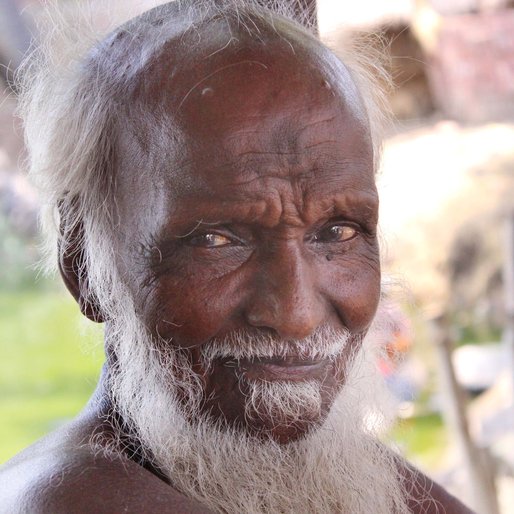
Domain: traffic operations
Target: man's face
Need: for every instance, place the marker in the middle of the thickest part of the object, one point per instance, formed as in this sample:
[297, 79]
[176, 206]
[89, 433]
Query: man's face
[254, 213]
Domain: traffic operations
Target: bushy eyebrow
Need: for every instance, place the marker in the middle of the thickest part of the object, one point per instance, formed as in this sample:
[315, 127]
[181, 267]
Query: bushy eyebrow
[361, 208]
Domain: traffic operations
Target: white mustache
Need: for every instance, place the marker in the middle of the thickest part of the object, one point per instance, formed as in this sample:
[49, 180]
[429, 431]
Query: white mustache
[324, 343]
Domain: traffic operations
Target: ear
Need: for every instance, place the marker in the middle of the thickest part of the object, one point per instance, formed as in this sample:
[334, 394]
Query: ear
[73, 269]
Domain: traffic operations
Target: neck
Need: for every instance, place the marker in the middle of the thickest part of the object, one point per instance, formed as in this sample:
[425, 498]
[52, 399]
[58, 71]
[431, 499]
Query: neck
[108, 430]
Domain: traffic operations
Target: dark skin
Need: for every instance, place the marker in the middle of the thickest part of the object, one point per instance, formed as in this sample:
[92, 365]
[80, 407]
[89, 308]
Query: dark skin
[277, 232]
[260, 216]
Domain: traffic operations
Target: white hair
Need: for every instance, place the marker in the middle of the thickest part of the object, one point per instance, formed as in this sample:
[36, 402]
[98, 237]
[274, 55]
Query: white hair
[70, 102]
[71, 88]
[338, 467]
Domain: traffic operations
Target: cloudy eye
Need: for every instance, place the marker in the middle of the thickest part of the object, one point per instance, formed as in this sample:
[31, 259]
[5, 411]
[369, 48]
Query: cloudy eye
[210, 240]
[336, 234]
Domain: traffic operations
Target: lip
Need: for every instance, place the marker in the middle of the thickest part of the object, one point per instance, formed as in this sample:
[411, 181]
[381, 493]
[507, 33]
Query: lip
[284, 368]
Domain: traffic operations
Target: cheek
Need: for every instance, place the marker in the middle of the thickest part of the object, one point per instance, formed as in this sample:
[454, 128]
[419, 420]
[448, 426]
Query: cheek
[193, 310]
[354, 291]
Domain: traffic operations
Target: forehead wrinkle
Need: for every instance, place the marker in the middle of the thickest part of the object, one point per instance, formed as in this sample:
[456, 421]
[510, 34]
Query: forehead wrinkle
[236, 135]
[214, 212]
[251, 170]
[248, 169]
[314, 123]
[254, 179]
[292, 206]
[287, 164]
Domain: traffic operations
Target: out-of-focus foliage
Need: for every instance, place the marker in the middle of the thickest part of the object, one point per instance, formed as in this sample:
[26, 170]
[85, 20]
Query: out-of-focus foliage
[423, 439]
[17, 258]
[48, 368]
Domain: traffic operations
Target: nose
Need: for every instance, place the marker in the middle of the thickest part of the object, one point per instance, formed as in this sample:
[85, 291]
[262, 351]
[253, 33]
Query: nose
[285, 295]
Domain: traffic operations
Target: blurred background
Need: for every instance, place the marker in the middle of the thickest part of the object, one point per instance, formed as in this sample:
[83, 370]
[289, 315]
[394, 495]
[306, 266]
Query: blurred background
[447, 223]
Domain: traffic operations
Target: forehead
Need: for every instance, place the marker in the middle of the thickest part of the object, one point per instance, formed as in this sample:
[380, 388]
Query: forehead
[214, 49]
[242, 108]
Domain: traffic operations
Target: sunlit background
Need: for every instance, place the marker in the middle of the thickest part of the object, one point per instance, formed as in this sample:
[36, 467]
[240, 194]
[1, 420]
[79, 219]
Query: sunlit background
[447, 222]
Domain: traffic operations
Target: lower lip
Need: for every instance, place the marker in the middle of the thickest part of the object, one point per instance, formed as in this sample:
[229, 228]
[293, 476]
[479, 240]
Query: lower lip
[282, 370]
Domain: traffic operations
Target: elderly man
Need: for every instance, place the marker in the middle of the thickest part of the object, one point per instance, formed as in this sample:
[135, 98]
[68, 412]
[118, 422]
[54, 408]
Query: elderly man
[212, 165]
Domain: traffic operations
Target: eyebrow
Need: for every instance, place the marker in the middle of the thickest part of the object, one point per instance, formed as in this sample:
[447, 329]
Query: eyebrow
[359, 207]
[199, 223]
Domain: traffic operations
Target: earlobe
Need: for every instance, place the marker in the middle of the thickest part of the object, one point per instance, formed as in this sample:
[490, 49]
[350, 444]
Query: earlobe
[74, 271]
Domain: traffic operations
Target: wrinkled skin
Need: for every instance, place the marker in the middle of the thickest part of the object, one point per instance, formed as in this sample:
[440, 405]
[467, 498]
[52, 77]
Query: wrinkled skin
[246, 200]
[260, 216]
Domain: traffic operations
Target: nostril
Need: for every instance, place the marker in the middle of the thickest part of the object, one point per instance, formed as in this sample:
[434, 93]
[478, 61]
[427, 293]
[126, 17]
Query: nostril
[263, 316]
[292, 322]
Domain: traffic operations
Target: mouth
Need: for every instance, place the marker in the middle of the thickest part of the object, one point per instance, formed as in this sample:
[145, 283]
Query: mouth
[292, 368]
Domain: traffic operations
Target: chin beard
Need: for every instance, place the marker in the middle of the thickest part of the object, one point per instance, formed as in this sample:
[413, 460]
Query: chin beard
[336, 465]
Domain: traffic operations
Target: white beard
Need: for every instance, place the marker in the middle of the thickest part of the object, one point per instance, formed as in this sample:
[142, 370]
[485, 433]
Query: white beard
[340, 467]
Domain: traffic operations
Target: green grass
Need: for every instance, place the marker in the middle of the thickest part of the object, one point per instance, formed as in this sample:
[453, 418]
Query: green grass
[48, 367]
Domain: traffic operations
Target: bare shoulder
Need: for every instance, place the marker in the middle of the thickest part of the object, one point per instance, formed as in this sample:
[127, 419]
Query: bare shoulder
[427, 496]
[58, 477]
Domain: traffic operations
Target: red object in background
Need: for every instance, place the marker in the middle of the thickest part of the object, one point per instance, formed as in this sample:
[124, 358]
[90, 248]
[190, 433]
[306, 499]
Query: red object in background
[472, 68]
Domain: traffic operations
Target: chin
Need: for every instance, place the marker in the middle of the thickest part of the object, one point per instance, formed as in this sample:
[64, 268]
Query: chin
[284, 412]
[284, 434]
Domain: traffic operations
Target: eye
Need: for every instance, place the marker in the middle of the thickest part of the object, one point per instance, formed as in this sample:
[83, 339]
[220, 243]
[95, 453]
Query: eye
[336, 233]
[210, 240]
